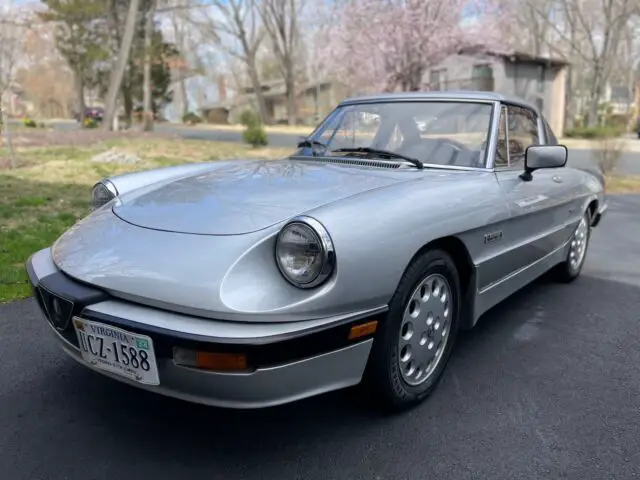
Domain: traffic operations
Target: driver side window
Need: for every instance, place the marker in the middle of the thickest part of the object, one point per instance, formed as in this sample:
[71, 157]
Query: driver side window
[518, 130]
[522, 131]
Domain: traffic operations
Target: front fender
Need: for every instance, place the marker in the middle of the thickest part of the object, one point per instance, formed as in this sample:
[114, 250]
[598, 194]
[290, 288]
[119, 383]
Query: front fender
[128, 182]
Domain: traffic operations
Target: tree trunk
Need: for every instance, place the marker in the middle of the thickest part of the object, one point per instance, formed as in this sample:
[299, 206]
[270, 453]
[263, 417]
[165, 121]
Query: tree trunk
[80, 98]
[118, 71]
[594, 99]
[4, 121]
[569, 111]
[255, 83]
[147, 121]
[127, 103]
[292, 110]
[185, 97]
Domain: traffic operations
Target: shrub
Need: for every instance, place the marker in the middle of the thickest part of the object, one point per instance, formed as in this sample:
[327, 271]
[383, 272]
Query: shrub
[191, 118]
[596, 132]
[255, 135]
[29, 122]
[609, 153]
[90, 123]
[249, 118]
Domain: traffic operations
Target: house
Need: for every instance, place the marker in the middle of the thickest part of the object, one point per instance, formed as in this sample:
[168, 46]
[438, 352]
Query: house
[314, 100]
[539, 80]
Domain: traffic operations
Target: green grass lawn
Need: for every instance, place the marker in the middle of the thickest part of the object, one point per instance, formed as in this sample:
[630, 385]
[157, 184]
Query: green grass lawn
[50, 191]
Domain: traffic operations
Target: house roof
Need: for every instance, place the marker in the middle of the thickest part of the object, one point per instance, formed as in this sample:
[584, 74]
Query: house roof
[514, 56]
[277, 87]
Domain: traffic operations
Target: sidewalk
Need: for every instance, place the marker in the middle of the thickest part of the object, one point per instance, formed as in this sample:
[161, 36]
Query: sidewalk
[298, 130]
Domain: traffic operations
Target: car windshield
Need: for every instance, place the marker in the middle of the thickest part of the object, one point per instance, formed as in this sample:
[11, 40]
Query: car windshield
[448, 133]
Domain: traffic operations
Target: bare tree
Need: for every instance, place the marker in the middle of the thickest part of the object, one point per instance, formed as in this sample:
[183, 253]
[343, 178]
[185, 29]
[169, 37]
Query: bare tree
[10, 47]
[234, 25]
[179, 27]
[115, 79]
[180, 35]
[280, 18]
[590, 32]
[44, 73]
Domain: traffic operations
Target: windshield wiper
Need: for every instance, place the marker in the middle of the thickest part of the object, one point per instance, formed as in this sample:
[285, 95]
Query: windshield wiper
[307, 142]
[383, 153]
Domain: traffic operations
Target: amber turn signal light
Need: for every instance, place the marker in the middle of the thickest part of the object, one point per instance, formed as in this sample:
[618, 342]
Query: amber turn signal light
[221, 361]
[225, 362]
[358, 331]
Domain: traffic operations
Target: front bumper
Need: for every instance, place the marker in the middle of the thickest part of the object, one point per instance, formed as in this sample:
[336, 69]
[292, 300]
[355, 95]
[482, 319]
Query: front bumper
[287, 361]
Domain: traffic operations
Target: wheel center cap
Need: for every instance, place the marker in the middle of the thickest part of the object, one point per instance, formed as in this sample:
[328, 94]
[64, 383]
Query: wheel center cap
[430, 331]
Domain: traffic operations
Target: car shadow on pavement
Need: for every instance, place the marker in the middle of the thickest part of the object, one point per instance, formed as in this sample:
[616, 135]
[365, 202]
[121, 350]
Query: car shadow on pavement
[492, 362]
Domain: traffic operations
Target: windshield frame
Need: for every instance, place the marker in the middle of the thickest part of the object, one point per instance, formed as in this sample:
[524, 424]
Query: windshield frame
[491, 130]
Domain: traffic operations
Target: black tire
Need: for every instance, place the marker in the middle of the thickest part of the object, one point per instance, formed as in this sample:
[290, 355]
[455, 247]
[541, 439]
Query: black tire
[567, 272]
[383, 376]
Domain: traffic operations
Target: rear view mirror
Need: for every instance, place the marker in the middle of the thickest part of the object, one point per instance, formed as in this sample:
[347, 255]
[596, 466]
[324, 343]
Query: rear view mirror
[543, 156]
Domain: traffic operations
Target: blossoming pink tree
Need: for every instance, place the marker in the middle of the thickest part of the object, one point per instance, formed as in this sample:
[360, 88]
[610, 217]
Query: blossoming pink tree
[375, 45]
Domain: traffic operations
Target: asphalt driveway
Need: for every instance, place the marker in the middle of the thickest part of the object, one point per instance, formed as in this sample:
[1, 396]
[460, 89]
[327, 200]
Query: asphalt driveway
[546, 387]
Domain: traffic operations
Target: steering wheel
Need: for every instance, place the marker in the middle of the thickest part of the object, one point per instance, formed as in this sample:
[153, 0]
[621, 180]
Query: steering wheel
[457, 146]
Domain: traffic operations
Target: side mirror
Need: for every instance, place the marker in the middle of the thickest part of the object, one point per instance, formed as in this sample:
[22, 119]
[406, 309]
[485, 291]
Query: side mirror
[543, 156]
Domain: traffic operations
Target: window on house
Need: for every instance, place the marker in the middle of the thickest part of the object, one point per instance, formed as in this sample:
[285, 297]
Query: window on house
[438, 79]
[482, 71]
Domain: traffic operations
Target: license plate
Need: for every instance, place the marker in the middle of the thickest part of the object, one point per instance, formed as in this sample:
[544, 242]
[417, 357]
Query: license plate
[117, 351]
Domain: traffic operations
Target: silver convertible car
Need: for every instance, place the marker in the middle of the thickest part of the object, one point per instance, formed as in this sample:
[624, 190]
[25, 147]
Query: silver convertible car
[357, 259]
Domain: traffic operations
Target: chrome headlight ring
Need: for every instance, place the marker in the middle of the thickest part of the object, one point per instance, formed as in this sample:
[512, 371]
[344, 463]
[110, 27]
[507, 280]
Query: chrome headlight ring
[304, 252]
[102, 193]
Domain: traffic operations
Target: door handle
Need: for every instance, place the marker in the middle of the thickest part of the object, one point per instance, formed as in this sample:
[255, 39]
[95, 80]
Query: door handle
[557, 178]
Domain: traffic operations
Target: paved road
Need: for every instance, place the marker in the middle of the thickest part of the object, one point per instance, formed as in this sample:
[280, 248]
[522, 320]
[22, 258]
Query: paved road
[629, 163]
[547, 386]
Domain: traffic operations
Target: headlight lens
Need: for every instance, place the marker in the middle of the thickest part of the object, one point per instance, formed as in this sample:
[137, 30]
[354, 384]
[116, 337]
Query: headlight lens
[304, 252]
[102, 193]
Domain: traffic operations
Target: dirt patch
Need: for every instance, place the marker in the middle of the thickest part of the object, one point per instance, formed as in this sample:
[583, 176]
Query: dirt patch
[25, 141]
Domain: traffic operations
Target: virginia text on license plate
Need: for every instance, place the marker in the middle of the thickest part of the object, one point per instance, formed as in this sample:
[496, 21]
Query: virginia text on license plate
[117, 351]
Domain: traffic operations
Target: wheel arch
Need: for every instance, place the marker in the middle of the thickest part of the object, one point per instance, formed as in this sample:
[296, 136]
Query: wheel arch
[466, 270]
[592, 207]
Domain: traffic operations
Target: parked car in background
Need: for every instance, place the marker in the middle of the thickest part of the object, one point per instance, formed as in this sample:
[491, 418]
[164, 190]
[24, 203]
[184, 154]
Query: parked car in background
[95, 113]
[358, 258]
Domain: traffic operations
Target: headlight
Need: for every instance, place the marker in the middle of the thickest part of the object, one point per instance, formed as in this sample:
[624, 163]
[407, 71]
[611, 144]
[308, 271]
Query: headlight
[304, 252]
[102, 193]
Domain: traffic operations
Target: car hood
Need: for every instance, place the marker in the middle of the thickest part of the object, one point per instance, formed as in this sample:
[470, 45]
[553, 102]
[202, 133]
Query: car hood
[246, 196]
